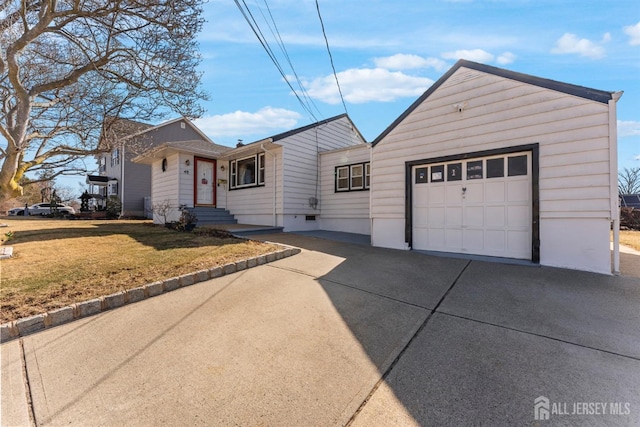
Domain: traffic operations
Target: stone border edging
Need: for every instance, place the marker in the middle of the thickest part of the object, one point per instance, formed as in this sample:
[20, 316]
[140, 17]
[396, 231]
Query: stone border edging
[28, 325]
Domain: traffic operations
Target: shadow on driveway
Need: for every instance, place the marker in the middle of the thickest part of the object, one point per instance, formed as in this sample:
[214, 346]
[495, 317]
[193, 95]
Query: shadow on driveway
[494, 337]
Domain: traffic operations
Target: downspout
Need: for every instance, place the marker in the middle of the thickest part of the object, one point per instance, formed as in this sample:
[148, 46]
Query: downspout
[275, 183]
[613, 167]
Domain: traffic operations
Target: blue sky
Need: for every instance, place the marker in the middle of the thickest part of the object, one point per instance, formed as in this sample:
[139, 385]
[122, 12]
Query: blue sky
[387, 53]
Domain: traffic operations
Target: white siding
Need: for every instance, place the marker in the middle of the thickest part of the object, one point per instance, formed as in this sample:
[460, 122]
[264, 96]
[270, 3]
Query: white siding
[165, 188]
[185, 177]
[572, 133]
[300, 167]
[255, 205]
[343, 211]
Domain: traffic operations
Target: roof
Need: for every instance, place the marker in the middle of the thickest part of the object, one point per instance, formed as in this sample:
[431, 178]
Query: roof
[580, 91]
[283, 135]
[197, 147]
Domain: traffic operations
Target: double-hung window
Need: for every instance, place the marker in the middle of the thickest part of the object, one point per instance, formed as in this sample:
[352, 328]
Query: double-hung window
[353, 177]
[247, 171]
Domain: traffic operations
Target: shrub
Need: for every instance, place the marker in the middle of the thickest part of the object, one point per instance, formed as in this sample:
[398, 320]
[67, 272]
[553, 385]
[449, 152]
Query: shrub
[630, 218]
[114, 207]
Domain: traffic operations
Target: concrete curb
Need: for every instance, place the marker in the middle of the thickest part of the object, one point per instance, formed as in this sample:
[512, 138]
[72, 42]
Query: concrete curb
[28, 325]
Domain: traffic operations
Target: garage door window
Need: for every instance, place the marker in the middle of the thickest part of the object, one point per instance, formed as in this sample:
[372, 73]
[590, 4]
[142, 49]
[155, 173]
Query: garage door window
[474, 170]
[517, 165]
[495, 168]
[454, 172]
[437, 173]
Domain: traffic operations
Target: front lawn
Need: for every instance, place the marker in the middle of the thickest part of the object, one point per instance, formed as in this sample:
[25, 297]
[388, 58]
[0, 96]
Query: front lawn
[630, 238]
[59, 262]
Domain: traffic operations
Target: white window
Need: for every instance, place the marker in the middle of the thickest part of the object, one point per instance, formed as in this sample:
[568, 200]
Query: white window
[342, 178]
[353, 177]
[115, 157]
[248, 171]
[367, 175]
[357, 177]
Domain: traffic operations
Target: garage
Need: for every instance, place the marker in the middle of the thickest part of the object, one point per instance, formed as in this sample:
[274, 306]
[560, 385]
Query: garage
[475, 205]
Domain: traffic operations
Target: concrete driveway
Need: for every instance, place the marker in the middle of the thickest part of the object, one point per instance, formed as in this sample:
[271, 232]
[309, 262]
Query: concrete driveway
[344, 334]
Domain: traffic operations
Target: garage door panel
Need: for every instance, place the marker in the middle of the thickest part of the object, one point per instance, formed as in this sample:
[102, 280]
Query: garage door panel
[473, 241]
[453, 239]
[496, 216]
[453, 216]
[421, 197]
[495, 191]
[436, 195]
[518, 243]
[518, 191]
[436, 239]
[436, 217]
[453, 194]
[474, 193]
[474, 216]
[518, 216]
[495, 241]
[421, 216]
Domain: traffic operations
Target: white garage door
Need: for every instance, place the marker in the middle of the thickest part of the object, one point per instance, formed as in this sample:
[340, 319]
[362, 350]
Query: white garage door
[476, 206]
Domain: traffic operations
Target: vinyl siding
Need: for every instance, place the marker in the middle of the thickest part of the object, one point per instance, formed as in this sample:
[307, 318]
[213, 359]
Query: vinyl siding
[572, 132]
[347, 204]
[165, 188]
[300, 166]
[255, 205]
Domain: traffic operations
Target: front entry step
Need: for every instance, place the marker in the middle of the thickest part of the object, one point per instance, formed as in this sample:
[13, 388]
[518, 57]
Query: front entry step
[212, 216]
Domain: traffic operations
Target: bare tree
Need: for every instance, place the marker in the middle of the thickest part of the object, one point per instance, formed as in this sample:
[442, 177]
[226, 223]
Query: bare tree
[629, 181]
[68, 67]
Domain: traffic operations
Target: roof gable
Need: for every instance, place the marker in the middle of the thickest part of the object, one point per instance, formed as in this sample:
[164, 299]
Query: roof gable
[571, 89]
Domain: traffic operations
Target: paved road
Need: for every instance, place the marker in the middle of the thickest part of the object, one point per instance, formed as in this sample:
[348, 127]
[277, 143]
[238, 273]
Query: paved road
[344, 334]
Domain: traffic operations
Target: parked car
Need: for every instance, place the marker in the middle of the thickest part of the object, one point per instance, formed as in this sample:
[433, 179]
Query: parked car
[42, 209]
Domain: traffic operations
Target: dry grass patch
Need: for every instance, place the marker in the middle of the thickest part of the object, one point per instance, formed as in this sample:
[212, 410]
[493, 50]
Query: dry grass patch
[58, 262]
[630, 238]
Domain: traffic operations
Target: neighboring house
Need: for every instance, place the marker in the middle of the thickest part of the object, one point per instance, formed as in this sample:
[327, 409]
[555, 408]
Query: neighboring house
[493, 162]
[287, 180]
[129, 181]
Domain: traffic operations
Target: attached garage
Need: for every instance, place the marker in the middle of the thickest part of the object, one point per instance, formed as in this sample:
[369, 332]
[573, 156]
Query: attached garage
[497, 163]
[476, 205]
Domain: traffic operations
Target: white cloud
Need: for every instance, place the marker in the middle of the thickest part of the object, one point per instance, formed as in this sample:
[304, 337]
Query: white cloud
[633, 31]
[477, 55]
[570, 43]
[506, 58]
[242, 123]
[628, 128]
[402, 61]
[366, 85]
[637, 157]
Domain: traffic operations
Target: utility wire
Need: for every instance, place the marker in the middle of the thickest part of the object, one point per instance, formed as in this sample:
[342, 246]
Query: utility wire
[275, 32]
[248, 16]
[331, 57]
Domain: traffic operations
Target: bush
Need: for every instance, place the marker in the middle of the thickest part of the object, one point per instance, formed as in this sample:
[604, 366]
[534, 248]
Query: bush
[114, 207]
[630, 218]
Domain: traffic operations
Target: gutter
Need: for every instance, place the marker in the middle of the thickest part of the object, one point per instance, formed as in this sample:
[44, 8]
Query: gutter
[613, 176]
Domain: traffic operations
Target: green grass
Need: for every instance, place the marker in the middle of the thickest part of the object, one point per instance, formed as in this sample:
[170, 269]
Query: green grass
[58, 262]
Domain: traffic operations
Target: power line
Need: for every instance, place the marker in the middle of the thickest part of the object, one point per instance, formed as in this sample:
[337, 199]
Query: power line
[276, 35]
[246, 13]
[331, 57]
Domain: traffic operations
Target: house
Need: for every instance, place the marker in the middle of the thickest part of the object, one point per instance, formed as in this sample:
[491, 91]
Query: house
[183, 173]
[130, 181]
[287, 180]
[493, 162]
